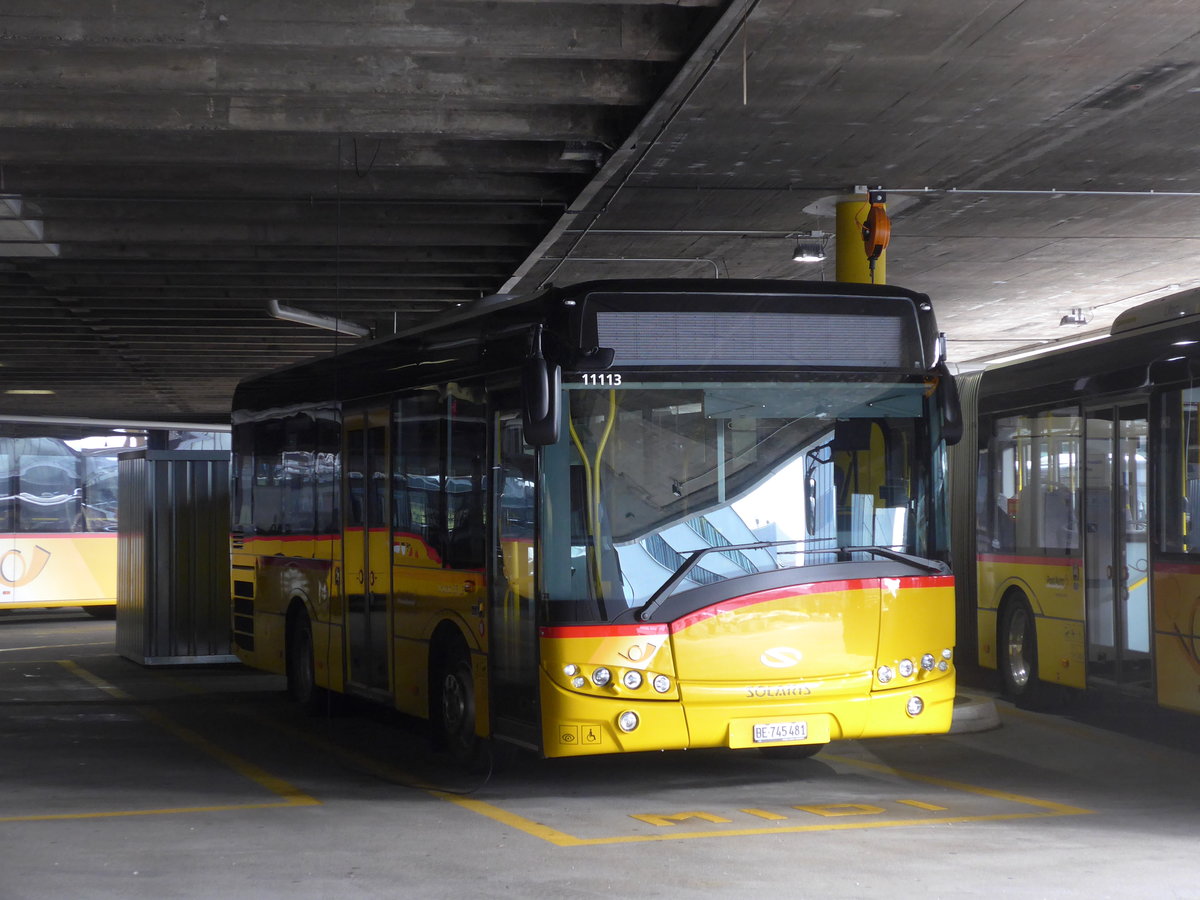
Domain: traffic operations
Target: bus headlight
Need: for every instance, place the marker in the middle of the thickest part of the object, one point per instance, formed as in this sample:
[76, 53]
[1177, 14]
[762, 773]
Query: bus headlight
[885, 674]
[906, 668]
[571, 670]
[578, 681]
[632, 679]
[627, 721]
[915, 706]
[661, 683]
[601, 677]
[927, 662]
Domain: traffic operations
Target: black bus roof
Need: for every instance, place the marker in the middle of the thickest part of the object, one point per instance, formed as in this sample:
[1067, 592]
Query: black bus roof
[1157, 343]
[504, 323]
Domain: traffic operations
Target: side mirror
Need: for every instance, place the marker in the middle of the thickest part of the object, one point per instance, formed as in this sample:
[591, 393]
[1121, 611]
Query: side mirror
[949, 406]
[810, 502]
[541, 385]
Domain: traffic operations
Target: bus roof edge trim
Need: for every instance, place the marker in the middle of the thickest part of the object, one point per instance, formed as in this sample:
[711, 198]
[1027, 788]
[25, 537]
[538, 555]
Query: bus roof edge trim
[1172, 308]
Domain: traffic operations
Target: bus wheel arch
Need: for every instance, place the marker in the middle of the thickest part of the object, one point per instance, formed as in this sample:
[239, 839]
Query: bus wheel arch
[300, 659]
[452, 700]
[1016, 645]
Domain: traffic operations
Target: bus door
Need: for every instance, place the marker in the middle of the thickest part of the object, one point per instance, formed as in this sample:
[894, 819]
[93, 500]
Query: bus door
[366, 545]
[513, 639]
[1116, 547]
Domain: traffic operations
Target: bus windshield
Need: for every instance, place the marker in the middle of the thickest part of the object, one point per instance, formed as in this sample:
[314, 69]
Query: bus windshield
[760, 476]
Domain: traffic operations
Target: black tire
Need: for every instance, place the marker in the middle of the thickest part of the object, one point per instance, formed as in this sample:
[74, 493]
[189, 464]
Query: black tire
[1017, 645]
[792, 751]
[101, 612]
[301, 666]
[454, 709]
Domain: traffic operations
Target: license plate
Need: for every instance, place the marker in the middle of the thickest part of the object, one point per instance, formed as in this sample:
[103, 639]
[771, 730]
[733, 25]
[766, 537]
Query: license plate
[772, 732]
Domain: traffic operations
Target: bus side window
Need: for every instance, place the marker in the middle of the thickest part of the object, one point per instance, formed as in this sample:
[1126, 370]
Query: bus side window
[466, 452]
[1178, 466]
[417, 471]
[328, 474]
[268, 475]
[8, 488]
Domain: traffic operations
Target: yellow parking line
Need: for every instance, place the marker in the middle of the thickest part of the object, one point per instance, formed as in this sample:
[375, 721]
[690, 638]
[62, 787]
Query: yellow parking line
[291, 795]
[1042, 808]
[1056, 809]
[550, 835]
[1045, 808]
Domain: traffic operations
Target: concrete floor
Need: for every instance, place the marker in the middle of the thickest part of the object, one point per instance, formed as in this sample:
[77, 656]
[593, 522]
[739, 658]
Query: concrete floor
[126, 782]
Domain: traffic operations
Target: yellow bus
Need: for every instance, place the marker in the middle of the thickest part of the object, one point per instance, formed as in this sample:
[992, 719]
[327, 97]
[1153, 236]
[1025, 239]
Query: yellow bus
[619, 516]
[58, 524]
[1082, 487]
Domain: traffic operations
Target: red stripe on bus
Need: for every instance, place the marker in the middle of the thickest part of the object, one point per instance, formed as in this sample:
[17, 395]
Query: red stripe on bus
[1177, 568]
[795, 590]
[818, 587]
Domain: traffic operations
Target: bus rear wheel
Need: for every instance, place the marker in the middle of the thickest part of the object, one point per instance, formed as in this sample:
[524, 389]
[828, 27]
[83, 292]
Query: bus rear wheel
[455, 709]
[1018, 653]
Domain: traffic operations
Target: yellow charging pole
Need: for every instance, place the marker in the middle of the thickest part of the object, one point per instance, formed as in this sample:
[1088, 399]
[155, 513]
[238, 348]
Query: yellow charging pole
[852, 263]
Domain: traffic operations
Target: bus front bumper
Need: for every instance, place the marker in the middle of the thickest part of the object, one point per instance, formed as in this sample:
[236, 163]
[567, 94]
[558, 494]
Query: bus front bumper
[576, 724]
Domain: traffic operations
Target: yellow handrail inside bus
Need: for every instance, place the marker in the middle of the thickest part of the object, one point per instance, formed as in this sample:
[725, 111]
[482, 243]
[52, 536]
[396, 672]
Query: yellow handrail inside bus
[591, 480]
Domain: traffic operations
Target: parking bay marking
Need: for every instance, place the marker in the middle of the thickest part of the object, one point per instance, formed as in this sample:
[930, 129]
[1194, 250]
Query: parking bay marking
[291, 795]
[835, 817]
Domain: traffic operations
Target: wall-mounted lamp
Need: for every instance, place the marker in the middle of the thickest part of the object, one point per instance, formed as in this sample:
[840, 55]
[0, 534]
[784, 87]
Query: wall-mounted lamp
[810, 246]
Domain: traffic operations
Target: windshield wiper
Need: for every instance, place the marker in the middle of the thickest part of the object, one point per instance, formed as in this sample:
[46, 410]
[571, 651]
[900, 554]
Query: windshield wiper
[659, 597]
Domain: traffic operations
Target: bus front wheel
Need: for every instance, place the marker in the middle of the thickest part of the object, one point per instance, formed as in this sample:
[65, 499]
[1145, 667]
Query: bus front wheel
[455, 708]
[1018, 653]
[301, 669]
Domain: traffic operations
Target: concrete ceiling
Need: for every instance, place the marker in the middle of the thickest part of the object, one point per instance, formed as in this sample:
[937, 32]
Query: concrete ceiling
[171, 166]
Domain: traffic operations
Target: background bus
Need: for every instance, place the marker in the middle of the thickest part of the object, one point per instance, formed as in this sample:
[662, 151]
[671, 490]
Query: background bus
[620, 516]
[58, 513]
[1081, 485]
[58, 522]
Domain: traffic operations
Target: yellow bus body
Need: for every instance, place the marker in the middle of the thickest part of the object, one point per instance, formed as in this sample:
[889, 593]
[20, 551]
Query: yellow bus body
[1176, 592]
[808, 653]
[1054, 588]
[43, 571]
[802, 654]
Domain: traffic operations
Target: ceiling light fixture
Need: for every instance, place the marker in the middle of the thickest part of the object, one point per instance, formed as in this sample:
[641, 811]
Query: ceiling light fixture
[20, 235]
[1077, 316]
[316, 320]
[810, 246]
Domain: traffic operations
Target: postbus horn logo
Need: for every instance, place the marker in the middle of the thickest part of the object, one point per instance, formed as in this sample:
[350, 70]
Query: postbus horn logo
[781, 657]
[16, 572]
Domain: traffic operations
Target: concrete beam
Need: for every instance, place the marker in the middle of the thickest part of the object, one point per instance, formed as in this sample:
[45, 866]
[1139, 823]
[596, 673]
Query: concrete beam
[451, 27]
[465, 82]
[320, 112]
[181, 180]
[352, 153]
